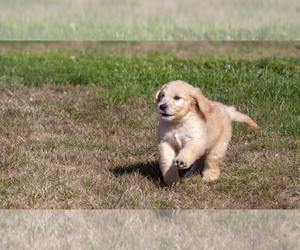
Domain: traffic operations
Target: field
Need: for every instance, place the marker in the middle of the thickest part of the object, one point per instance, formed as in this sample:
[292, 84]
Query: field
[78, 124]
[150, 229]
[149, 20]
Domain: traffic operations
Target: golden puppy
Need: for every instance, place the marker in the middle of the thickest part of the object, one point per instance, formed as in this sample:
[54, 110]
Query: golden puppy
[192, 126]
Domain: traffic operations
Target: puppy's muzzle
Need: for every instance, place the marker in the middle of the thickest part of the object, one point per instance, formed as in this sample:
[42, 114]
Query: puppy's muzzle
[163, 107]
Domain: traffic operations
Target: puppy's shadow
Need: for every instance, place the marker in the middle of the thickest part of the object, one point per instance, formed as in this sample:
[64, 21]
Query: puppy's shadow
[149, 170]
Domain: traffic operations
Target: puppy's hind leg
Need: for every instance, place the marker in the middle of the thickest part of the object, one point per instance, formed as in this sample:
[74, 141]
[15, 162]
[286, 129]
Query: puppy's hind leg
[167, 168]
[213, 160]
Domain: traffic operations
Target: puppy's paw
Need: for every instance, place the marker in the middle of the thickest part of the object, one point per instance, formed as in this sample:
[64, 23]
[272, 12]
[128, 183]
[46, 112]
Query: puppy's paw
[181, 163]
[211, 175]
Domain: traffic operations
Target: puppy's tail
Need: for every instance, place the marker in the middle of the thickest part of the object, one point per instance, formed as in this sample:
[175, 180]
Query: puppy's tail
[239, 117]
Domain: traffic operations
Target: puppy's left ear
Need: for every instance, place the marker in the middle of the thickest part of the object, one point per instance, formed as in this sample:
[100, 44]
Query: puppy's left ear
[202, 103]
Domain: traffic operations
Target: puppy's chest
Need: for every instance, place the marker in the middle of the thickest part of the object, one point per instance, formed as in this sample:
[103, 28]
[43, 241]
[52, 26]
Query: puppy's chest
[177, 137]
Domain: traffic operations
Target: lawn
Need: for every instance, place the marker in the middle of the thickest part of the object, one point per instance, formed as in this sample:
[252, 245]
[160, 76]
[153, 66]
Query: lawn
[150, 229]
[78, 124]
[149, 20]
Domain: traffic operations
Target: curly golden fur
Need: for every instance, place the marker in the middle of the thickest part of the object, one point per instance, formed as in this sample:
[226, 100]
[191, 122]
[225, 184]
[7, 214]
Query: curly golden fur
[192, 126]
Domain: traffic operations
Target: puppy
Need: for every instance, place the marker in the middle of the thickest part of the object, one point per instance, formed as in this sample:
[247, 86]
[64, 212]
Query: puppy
[192, 126]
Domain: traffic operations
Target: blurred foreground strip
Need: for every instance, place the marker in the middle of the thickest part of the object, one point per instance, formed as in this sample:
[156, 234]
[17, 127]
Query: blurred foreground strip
[150, 229]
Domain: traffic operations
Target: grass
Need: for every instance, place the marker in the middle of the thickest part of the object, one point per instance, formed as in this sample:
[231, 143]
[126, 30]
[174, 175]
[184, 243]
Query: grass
[150, 229]
[95, 28]
[144, 20]
[78, 129]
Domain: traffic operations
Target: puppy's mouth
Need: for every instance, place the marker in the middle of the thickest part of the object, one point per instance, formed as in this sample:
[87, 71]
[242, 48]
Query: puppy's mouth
[165, 115]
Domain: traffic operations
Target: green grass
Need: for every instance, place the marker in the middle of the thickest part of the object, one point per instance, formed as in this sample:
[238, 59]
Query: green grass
[256, 84]
[78, 129]
[158, 28]
[143, 20]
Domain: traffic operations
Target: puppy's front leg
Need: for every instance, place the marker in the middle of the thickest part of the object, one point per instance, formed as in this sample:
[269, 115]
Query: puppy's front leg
[191, 152]
[167, 168]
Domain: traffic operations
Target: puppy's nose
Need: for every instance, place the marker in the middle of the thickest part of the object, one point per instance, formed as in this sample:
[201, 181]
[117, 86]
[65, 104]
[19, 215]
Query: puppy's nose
[163, 107]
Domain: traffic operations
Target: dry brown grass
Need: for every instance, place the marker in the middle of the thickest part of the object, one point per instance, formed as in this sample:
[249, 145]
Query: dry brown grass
[66, 146]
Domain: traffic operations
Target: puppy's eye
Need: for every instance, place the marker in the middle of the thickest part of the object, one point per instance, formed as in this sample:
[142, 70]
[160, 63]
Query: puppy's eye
[162, 96]
[177, 98]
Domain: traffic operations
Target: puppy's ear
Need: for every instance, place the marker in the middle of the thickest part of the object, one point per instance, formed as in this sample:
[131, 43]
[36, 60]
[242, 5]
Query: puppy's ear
[156, 96]
[202, 104]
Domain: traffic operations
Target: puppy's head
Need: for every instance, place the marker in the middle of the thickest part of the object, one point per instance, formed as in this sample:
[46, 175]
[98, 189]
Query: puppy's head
[176, 99]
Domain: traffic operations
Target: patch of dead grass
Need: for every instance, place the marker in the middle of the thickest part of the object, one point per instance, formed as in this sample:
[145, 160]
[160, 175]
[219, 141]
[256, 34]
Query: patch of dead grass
[65, 146]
